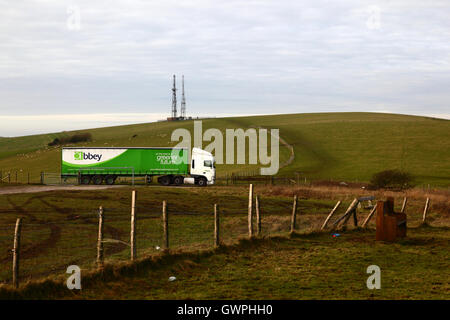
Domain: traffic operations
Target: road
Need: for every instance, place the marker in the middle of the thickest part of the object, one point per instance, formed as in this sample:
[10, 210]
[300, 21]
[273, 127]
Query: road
[34, 189]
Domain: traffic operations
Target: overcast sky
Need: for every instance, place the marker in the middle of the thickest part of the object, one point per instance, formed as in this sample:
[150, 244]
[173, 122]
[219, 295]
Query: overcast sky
[77, 64]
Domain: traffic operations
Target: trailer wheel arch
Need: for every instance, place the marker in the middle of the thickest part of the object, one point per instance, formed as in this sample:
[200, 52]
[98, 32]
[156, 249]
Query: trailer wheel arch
[165, 180]
[85, 179]
[97, 179]
[110, 179]
[178, 180]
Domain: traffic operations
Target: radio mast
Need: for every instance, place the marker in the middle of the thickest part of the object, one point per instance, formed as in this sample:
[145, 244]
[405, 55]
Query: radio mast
[183, 100]
[174, 100]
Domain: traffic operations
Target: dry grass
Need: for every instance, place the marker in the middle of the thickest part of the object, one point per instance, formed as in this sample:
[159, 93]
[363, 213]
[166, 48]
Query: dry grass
[440, 199]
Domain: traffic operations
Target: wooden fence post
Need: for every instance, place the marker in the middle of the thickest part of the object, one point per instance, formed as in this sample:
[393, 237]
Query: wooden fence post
[250, 211]
[216, 226]
[344, 218]
[16, 253]
[294, 214]
[405, 199]
[330, 215]
[369, 216]
[425, 210]
[355, 218]
[258, 216]
[100, 238]
[28, 178]
[133, 225]
[165, 219]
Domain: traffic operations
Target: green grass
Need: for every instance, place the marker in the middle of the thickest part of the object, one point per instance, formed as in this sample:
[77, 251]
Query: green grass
[337, 146]
[313, 266]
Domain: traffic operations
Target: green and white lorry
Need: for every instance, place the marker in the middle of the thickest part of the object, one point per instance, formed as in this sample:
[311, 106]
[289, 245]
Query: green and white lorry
[170, 165]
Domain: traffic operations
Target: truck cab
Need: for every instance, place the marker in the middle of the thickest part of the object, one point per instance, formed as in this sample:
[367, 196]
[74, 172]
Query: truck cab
[203, 167]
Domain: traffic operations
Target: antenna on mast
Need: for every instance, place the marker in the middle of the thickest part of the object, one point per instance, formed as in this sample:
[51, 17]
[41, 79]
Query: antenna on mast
[174, 100]
[183, 100]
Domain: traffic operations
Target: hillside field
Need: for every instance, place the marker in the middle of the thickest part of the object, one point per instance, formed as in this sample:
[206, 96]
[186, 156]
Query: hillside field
[347, 147]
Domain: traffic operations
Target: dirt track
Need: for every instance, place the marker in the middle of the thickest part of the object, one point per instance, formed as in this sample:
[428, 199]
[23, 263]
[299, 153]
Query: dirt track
[34, 189]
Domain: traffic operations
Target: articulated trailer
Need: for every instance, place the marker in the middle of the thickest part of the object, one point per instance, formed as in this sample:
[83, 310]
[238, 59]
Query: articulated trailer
[170, 165]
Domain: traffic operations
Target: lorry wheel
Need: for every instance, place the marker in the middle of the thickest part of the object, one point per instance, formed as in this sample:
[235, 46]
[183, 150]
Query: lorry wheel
[164, 180]
[97, 179]
[110, 180]
[85, 179]
[202, 182]
[178, 180]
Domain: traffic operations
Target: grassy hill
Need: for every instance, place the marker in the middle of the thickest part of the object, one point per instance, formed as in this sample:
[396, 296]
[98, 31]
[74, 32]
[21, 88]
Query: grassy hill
[337, 146]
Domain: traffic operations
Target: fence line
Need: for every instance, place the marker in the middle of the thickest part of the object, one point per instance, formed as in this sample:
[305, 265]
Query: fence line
[216, 239]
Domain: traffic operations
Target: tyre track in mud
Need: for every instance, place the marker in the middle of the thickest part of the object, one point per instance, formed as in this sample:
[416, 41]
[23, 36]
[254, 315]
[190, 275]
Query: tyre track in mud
[55, 230]
[114, 232]
[40, 247]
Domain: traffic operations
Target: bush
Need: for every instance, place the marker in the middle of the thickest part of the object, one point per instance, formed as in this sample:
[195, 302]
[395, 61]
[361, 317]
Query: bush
[79, 137]
[392, 179]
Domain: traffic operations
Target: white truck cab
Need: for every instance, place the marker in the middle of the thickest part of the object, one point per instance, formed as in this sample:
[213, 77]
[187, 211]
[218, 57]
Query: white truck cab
[203, 167]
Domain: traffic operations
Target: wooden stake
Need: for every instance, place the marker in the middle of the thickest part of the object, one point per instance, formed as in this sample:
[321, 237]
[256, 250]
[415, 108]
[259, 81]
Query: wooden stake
[165, 226]
[355, 218]
[16, 253]
[133, 225]
[250, 211]
[425, 210]
[347, 217]
[330, 215]
[258, 216]
[294, 214]
[369, 216]
[100, 238]
[216, 226]
[347, 213]
[404, 205]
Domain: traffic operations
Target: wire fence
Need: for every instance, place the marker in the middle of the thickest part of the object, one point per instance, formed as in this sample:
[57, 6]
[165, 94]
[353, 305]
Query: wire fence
[49, 245]
[245, 177]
